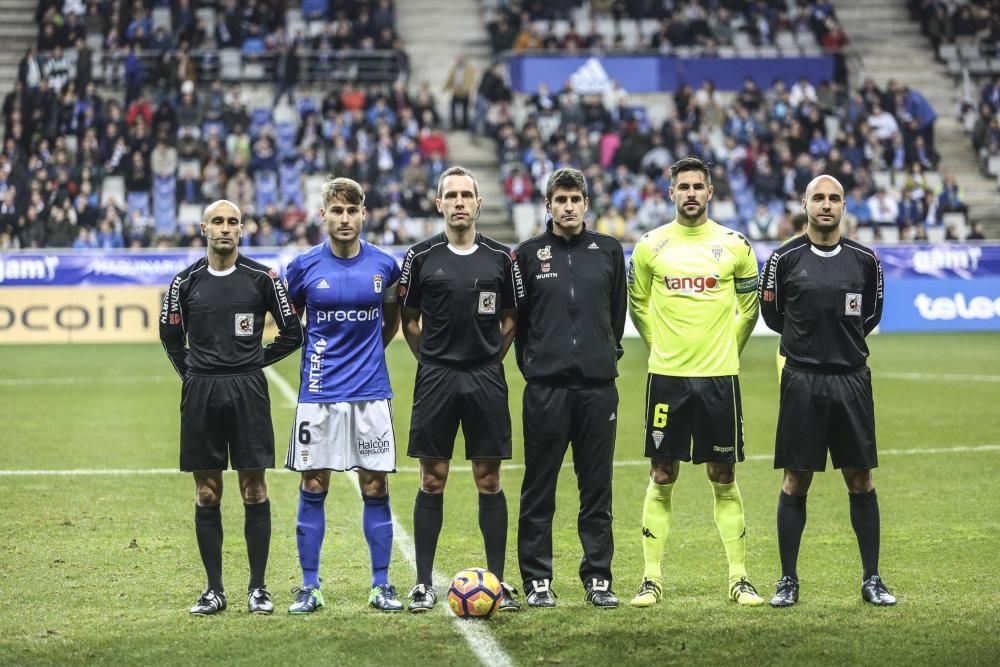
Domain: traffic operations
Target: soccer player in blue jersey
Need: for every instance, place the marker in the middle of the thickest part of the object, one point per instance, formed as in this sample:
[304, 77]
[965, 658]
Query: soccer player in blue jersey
[343, 420]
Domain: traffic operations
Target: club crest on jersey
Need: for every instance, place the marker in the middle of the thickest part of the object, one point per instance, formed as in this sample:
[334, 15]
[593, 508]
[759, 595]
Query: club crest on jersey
[691, 284]
[244, 324]
[378, 283]
[657, 438]
[544, 253]
[717, 252]
[852, 304]
[487, 303]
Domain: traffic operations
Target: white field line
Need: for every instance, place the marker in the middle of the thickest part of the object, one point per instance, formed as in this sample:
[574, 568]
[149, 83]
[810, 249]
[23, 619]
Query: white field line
[942, 377]
[115, 472]
[113, 379]
[140, 379]
[476, 635]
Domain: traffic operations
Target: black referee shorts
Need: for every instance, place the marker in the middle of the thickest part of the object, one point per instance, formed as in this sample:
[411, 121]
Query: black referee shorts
[707, 411]
[824, 411]
[226, 417]
[443, 396]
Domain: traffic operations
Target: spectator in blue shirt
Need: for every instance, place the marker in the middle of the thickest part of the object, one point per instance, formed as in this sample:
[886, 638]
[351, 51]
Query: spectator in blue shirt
[108, 237]
[857, 205]
[950, 197]
[921, 111]
[84, 240]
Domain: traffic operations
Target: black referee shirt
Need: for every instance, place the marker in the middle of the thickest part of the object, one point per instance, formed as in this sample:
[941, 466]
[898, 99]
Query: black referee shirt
[221, 317]
[823, 301]
[460, 295]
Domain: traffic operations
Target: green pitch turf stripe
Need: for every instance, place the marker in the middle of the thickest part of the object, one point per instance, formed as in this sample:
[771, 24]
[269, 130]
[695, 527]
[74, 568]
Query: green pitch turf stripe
[476, 635]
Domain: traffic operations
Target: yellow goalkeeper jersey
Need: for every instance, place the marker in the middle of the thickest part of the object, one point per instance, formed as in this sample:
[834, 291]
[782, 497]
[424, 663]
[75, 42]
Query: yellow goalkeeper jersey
[692, 294]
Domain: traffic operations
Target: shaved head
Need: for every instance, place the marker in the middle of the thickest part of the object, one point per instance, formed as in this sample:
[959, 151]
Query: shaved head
[210, 210]
[819, 179]
[824, 207]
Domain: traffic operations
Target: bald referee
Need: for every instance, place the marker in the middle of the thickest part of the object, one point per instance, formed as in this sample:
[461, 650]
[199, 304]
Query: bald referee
[217, 307]
[823, 294]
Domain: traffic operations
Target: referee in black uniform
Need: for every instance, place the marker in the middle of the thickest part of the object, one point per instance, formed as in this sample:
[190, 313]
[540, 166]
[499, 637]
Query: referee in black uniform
[459, 291]
[568, 342]
[217, 307]
[823, 294]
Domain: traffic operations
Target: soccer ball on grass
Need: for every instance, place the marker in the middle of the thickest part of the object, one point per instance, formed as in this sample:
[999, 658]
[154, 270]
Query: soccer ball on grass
[474, 593]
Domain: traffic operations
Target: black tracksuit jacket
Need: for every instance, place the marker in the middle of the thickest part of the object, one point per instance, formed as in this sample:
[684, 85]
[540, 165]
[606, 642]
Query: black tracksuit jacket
[570, 324]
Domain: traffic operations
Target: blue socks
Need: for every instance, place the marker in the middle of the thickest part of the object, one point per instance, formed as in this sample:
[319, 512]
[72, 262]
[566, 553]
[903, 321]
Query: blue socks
[309, 533]
[311, 527]
[377, 522]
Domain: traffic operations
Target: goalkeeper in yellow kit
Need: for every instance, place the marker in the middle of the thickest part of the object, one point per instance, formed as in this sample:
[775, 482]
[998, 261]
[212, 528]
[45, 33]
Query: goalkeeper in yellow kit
[692, 296]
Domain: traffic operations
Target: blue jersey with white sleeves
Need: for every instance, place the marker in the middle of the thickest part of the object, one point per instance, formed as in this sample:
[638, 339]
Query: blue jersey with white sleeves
[343, 359]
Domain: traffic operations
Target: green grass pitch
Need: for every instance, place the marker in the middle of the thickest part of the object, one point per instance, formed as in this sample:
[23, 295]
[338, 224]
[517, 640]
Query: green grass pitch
[102, 568]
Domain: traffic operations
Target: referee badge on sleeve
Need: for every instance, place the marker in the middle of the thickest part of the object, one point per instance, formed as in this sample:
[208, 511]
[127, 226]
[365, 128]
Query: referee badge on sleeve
[852, 304]
[244, 324]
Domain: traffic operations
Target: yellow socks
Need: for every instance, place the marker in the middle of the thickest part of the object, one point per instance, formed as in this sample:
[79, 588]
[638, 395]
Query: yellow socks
[732, 529]
[656, 511]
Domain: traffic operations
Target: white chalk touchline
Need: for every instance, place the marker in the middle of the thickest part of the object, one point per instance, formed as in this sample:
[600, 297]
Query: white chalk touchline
[113, 472]
[476, 635]
[111, 379]
[946, 377]
[139, 379]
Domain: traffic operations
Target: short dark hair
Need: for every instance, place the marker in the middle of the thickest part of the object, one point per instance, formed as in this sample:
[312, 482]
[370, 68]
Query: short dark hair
[343, 188]
[690, 164]
[457, 171]
[799, 221]
[568, 178]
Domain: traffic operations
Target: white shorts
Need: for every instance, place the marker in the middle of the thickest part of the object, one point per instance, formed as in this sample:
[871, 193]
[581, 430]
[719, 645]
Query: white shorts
[343, 436]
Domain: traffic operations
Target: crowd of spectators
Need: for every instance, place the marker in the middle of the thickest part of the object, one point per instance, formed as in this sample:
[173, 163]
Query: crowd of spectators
[970, 21]
[131, 45]
[765, 145]
[698, 26]
[975, 23]
[65, 142]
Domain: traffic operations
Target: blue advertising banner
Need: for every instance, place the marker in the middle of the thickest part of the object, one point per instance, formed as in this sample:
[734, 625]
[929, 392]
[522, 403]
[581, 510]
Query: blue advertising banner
[653, 74]
[949, 304]
[947, 287]
[729, 73]
[636, 74]
[108, 268]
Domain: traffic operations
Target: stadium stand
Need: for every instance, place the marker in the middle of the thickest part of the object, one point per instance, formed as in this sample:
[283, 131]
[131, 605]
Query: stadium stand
[768, 143]
[150, 163]
[966, 39]
[235, 100]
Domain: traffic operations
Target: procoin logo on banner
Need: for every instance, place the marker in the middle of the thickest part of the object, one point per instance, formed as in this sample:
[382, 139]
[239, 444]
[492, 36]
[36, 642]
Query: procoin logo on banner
[80, 314]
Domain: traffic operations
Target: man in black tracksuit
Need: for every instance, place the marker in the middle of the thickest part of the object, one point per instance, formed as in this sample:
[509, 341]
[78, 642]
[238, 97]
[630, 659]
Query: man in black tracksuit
[568, 343]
